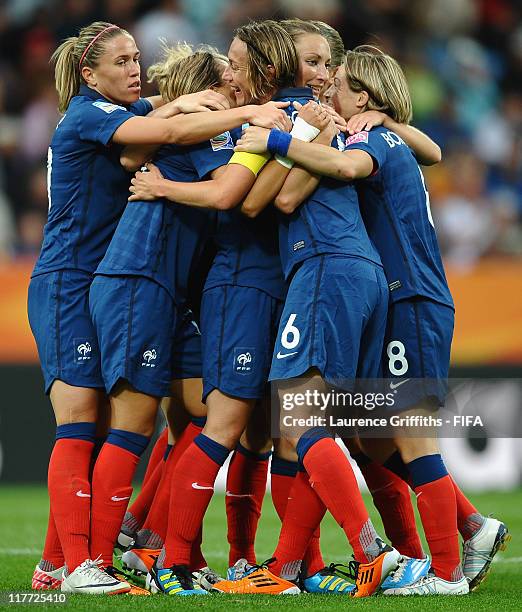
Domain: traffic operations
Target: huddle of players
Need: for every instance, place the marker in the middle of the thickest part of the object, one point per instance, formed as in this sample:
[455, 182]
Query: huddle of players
[109, 308]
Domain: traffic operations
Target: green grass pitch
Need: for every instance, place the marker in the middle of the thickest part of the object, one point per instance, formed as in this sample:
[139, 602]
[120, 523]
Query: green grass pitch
[23, 518]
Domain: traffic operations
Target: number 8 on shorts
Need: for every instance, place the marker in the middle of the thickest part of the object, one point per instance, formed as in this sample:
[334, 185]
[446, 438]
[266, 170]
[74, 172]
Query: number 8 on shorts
[396, 352]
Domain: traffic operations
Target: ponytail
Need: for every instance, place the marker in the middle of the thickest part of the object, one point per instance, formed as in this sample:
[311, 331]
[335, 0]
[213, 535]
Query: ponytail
[66, 73]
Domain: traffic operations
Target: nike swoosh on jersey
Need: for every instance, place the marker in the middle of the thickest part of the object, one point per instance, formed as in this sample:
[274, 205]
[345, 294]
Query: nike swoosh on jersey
[394, 386]
[80, 494]
[283, 355]
[116, 498]
[196, 486]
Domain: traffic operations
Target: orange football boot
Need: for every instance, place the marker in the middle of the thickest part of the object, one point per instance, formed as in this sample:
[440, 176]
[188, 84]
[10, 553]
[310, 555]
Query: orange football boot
[370, 576]
[139, 560]
[261, 581]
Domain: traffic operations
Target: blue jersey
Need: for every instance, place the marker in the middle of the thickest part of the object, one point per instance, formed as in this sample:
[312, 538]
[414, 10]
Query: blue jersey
[161, 240]
[88, 188]
[293, 94]
[328, 222]
[247, 251]
[396, 210]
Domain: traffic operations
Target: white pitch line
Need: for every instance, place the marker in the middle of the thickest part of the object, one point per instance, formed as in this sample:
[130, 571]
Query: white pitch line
[507, 560]
[19, 551]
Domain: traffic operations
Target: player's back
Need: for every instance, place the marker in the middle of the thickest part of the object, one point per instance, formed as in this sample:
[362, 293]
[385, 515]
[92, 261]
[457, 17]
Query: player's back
[161, 239]
[396, 210]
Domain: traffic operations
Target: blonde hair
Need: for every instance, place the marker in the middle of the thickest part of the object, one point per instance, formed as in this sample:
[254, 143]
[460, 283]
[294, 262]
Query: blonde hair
[369, 69]
[268, 44]
[296, 27]
[334, 40]
[87, 47]
[184, 70]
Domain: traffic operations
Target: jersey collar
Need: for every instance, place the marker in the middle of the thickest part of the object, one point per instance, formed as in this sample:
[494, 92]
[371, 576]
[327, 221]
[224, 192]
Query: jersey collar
[88, 92]
[293, 92]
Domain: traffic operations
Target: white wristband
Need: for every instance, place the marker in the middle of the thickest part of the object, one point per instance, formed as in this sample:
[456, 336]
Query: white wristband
[284, 161]
[302, 131]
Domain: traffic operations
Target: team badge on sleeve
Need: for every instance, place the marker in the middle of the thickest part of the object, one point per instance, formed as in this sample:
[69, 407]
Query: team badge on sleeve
[107, 106]
[355, 138]
[222, 141]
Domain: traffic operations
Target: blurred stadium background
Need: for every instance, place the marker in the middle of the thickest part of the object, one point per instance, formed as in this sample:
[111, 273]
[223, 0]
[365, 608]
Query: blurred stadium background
[463, 60]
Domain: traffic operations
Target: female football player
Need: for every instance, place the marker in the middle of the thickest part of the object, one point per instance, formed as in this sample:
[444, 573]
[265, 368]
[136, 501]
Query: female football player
[98, 82]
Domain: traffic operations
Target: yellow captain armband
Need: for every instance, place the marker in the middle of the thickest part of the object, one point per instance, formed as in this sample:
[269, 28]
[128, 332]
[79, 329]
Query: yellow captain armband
[252, 161]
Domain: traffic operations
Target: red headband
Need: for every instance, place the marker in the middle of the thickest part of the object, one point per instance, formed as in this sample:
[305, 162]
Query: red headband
[111, 27]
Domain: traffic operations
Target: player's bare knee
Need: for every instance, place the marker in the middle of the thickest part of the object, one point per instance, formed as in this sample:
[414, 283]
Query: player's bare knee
[413, 448]
[75, 404]
[227, 438]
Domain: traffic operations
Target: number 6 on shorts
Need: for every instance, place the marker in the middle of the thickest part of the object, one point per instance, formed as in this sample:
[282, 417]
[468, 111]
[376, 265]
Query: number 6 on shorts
[290, 330]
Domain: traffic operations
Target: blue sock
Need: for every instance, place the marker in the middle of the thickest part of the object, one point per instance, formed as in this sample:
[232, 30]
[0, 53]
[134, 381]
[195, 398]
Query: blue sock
[199, 421]
[283, 467]
[426, 469]
[78, 431]
[308, 439]
[395, 464]
[251, 454]
[216, 451]
[361, 459]
[133, 442]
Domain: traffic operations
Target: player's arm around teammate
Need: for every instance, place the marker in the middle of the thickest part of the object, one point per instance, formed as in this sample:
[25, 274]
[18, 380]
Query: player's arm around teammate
[312, 76]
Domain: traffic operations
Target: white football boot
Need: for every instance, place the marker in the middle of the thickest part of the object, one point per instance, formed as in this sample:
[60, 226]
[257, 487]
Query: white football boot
[91, 579]
[206, 578]
[431, 585]
[479, 550]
